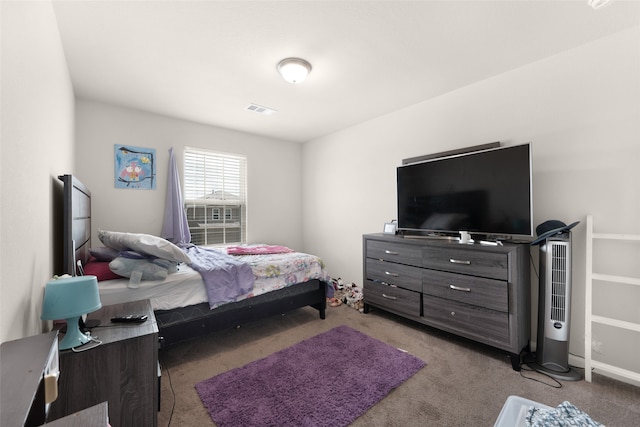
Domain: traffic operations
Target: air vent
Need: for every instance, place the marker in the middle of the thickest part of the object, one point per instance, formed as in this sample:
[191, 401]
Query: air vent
[260, 109]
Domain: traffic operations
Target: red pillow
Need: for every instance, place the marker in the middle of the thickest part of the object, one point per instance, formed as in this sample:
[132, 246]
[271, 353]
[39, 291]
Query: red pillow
[100, 270]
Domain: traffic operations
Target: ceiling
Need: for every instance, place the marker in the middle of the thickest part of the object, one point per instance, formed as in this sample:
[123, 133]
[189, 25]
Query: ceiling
[206, 61]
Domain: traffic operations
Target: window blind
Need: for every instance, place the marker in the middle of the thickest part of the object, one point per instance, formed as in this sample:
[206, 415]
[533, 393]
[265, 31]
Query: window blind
[215, 196]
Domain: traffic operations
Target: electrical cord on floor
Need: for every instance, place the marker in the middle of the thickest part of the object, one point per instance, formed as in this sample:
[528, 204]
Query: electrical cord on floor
[556, 385]
[173, 394]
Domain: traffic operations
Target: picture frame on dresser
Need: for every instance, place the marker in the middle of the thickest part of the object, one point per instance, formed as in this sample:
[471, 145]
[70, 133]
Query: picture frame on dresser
[390, 228]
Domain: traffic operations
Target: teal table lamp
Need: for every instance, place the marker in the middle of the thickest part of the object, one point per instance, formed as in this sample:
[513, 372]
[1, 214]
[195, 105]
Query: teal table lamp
[70, 298]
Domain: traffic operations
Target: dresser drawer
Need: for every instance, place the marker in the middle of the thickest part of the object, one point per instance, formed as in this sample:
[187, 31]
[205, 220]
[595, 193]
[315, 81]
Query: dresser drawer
[474, 262]
[469, 321]
[478, 291]
[405, 276]
[392, 298]
[396, 252]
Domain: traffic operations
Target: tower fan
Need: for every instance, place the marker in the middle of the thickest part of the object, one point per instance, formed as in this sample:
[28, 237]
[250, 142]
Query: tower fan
[554, 301]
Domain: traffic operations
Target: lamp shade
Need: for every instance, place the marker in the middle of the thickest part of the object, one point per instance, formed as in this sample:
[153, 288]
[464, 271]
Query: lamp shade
[69, 298]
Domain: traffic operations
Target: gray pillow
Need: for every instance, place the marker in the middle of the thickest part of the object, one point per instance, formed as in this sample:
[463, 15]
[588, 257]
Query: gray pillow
[143, 243]
[103, 254]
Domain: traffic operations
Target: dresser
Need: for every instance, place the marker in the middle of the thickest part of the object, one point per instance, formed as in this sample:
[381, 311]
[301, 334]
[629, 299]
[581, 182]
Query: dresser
[122, 370]
[480, 292]
[29, 368]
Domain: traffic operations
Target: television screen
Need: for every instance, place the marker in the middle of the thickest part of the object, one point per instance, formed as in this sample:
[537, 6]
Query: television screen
[485, 192]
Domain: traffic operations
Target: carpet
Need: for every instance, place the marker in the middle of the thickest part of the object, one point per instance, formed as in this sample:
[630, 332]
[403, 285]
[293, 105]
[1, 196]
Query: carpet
[327, 380]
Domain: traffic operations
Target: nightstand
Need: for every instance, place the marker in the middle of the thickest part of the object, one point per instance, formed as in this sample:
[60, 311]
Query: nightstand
[122, 371]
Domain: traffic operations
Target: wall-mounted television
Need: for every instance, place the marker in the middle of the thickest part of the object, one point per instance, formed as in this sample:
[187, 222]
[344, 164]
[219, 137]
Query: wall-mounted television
[486, 192]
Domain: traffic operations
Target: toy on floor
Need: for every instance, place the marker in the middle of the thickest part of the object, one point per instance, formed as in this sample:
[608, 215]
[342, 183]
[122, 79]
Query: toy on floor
[349, 294]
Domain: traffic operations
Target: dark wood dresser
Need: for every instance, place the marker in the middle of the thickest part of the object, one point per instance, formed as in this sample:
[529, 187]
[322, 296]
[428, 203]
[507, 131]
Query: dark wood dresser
[480, 292]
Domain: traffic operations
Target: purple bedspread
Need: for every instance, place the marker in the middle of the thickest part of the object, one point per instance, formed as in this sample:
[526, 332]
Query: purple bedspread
[225, 277]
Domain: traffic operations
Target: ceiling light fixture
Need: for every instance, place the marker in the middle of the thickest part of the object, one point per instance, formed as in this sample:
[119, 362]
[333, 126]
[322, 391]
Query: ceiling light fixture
[597, 4]
[294, 70]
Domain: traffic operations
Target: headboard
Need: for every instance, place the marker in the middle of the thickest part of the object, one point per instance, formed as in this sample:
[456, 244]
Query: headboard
[76, 223]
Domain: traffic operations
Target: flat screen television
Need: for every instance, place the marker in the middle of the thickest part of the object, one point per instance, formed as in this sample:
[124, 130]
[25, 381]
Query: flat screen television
[486, 192]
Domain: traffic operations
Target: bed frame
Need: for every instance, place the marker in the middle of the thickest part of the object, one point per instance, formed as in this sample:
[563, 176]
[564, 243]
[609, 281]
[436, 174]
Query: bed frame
[192, 321]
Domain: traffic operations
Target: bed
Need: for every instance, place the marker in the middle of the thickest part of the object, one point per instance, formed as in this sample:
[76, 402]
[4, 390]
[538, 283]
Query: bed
[182, 305]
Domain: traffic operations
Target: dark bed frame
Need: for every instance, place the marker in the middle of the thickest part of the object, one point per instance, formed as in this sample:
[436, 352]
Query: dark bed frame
[187, 322]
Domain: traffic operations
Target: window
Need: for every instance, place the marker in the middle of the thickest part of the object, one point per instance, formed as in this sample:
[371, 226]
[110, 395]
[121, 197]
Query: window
[215, 196]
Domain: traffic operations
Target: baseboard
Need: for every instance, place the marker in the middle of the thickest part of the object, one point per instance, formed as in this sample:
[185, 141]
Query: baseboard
[578, 362]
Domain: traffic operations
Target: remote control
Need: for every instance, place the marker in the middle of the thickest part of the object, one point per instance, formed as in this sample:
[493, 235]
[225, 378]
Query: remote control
[130, 318]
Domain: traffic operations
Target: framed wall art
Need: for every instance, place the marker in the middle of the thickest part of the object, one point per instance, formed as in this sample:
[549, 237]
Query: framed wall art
[135, 167]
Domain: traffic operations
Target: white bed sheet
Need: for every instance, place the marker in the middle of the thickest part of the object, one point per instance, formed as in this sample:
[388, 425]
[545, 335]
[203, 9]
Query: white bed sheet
[180, 289]
[185, 287]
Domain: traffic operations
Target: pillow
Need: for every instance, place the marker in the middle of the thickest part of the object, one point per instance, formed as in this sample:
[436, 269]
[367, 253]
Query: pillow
[143, 243]
[100, 269]
[150, 271]
[103, 254]
[171, 266]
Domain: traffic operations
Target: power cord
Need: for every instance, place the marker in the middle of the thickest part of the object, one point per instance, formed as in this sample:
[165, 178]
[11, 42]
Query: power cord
[556, 385]
[533, 264]
[173, 393]
[93, 343]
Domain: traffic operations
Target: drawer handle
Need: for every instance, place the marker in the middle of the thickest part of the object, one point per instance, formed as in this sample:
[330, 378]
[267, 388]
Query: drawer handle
[458, 288]
[391, 252]
[389, 297]
[388, 273]
[459, 261]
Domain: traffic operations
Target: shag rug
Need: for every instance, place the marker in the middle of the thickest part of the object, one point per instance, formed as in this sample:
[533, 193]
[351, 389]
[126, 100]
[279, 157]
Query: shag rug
[327, 380]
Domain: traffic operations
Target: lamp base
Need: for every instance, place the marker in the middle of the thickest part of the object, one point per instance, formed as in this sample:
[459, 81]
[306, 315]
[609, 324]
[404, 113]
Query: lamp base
[73, 337]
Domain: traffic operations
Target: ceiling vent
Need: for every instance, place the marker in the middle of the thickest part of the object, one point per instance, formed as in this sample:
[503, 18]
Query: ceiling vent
[260, 109]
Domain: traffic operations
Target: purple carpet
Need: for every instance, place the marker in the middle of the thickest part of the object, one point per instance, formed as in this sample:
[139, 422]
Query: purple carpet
[328, 380]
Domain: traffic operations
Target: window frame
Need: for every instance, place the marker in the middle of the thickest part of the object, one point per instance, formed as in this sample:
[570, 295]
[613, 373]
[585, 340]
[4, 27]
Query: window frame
[215, 181]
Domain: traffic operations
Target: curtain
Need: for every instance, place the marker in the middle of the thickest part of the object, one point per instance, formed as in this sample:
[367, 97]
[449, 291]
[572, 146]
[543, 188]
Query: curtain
[175, 227]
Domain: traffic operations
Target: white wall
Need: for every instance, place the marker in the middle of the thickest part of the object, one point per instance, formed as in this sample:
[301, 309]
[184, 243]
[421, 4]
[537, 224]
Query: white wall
[37, 146]
[580, 110]
[274, 171]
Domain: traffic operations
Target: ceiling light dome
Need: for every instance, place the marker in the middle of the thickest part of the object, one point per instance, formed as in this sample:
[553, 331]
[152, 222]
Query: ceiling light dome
[294, 70]
[597, 4]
